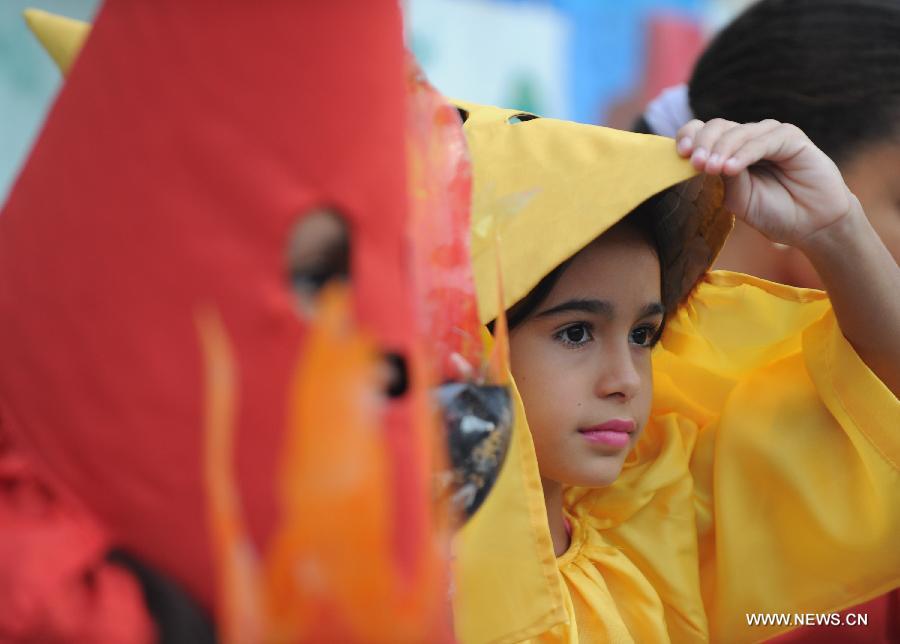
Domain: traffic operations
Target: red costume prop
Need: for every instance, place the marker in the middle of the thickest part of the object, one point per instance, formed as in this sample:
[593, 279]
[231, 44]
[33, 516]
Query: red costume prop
[188, 141]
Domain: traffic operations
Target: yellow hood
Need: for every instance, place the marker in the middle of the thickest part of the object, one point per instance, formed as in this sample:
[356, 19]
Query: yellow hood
[544, 201]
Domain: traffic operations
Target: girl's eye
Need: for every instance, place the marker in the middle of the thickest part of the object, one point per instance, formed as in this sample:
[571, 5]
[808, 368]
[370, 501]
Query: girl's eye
[643, 336]
[575, 335]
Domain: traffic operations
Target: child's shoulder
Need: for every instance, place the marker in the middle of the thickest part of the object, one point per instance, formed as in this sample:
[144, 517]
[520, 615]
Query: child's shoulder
[732, 323]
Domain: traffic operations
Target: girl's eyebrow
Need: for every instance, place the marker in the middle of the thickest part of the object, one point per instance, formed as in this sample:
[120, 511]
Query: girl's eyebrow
[654, 308]
[599, 307]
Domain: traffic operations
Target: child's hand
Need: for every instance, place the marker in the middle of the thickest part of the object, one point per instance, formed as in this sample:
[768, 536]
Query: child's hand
[775, 178]
[781, 184]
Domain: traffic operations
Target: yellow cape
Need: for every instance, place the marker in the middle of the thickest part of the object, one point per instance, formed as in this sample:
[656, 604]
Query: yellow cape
[767, 479]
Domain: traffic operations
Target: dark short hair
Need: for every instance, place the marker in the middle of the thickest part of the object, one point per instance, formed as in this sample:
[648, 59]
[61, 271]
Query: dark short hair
[830, 67]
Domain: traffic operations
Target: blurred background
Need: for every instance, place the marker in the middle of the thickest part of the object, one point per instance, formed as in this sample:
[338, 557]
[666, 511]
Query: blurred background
[596, 61]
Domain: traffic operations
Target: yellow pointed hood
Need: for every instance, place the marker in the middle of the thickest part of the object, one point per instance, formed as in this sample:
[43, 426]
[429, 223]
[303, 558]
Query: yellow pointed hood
[60, 36]
[545, 188]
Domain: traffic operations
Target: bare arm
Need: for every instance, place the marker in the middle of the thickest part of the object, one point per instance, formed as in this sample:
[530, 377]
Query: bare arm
[863, 282]
[785, 187]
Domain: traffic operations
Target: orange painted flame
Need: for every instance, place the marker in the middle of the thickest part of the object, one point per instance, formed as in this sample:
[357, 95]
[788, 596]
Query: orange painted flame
[329, 572]
[233, 554]
[329, 565]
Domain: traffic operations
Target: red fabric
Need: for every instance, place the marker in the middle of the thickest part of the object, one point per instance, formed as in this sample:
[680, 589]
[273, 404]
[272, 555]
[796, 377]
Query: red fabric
[55, 585]
[673, 45]
[440, 191]
[882, 626]
[187, 141]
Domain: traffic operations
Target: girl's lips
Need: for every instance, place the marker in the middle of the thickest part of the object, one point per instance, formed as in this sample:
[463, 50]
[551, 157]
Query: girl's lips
[613, 433]
[626, 425]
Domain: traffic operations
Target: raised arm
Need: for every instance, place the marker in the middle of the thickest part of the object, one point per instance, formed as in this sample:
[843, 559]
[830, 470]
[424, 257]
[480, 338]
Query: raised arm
[784, 186]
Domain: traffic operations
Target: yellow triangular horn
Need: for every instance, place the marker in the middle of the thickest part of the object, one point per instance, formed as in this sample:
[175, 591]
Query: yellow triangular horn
[61, 37]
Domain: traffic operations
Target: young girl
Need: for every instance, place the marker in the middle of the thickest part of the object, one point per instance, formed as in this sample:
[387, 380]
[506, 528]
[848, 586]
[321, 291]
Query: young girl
[752, 466]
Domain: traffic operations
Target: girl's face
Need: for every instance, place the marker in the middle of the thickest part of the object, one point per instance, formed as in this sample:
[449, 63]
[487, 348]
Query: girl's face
[581, 361]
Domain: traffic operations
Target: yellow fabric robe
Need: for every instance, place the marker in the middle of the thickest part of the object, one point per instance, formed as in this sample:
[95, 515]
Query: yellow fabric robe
[767, 480]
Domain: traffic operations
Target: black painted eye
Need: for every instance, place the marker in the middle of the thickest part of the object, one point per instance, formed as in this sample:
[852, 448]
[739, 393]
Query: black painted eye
[318, 252]
[398, 380]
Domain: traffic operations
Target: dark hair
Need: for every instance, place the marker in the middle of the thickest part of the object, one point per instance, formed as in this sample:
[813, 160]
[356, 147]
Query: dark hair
[643, 218]
[830, 67]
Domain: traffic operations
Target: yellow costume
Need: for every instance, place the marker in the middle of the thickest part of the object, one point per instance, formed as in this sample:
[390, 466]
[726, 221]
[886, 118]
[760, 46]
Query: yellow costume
[768, 478]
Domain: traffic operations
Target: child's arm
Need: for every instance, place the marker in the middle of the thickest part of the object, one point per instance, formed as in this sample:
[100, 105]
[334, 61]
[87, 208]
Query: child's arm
[784, 186]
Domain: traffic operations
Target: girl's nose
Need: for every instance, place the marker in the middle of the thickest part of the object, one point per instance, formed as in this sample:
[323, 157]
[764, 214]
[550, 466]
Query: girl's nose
[618, 375]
